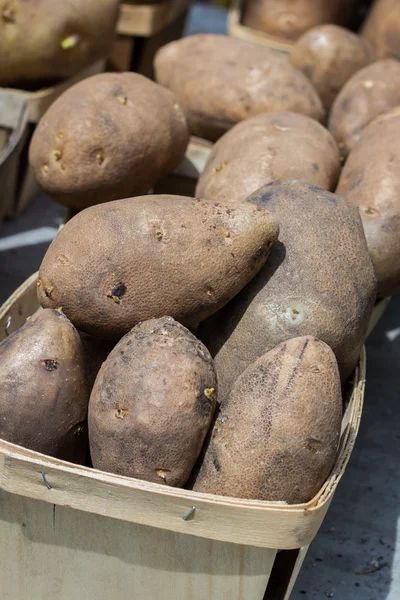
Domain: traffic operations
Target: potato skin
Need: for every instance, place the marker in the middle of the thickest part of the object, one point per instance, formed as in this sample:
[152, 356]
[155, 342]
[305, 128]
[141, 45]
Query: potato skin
[158, 255]
[372, 91]
[152, 404]
[277, 435]
[329, 55]
[318, 280]
[382, 28]
[222, 80]
[110, 136]
[289, 19]
[265, 148]
[43, 393]
[40, 45]
[371, 181]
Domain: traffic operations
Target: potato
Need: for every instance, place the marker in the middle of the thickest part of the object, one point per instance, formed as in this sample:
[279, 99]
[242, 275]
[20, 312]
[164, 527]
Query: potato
[382, 28]
[110, 136]
[222, 80]
[43, 391]
[370, 92]
[267, 147]
[329, 55]
[318, 280]
[41, 43]
[371, 181]
[278, 433]
[289, 19]
[152, 404]
[114, 265]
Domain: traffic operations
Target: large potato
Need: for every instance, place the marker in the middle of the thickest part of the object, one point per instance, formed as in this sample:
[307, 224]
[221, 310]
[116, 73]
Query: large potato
[277, 435]
[41, 42]
[382, 28]
[289, 19]
[43, 390]
[265, 148]
[370, 92]
[222, 80]
[114, 265]
[110, 136]
[329, 55]
[152, 404]
[318, 280]
[371, 181]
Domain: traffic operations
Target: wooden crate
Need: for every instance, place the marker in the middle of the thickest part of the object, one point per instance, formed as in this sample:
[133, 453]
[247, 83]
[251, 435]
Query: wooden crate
[19, 112]
[68, 531]
[143, 29]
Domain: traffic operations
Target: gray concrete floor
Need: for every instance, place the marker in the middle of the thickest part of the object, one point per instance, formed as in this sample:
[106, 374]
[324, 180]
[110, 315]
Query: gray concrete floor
[361, 532]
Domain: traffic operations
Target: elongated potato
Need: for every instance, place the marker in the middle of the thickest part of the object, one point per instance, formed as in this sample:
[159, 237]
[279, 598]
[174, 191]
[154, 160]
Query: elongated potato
[110, 136]
[289, 19]
[43, 390]
[222, 80]
[265, 148]
[382, 28]
[329, 55]
[371, 181]
[114, 265]
[277, 435]
[318, 280]
[41, 43]
[369, 93]
[152, 404]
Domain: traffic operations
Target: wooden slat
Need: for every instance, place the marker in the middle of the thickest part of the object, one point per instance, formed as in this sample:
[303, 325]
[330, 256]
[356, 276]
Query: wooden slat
[49, 553]
[377, 314]
[146, 20]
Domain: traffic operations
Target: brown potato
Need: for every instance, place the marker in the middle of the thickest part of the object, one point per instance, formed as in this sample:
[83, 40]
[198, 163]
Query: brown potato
[152, 404]
[265, 148]
[278, 433]
[222, 80]
[329, 55]
[370, 92]
[110, 136]
[40, 43]
[318, 280]
[43, 391]
[289, 19]
[371, 181]
[382, 28]
[114, 265]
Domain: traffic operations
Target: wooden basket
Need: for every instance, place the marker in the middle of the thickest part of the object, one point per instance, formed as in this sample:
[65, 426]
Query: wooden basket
[68, 531]
[143, 29]
[19, 112]
[237, 29]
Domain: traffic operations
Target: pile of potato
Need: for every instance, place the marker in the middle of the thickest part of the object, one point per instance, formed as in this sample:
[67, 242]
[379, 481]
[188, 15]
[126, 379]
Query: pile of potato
[204, 342]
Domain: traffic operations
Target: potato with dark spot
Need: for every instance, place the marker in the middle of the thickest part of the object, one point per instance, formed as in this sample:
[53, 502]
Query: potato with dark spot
[369, 93]
[110, 136]
[289, 19]
[318, 280]
[278, 433]
[117, 264]
[222, 80]
[43, 390]
[152, 404]
[371, 181]
[329, 55]
[267, 147]
[382, 28]
[41, 43]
